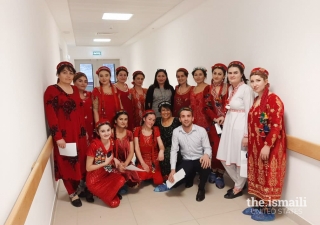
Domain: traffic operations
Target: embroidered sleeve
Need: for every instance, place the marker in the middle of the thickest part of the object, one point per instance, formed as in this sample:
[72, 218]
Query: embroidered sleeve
[95, 99]
[208, 103]
[275, 112]
[51, 104]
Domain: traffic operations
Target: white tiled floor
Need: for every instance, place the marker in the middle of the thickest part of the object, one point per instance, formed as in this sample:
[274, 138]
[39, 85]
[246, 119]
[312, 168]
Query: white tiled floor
[145, 207]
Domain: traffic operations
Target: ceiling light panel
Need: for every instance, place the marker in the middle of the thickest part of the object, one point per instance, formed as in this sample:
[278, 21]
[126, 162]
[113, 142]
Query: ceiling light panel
[116, 16]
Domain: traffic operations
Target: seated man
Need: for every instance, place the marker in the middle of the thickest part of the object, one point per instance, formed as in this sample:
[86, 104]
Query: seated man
[195, 150]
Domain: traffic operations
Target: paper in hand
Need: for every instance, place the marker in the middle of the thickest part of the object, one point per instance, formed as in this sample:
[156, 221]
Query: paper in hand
[177, 177]
[133, 168]
[69, 150]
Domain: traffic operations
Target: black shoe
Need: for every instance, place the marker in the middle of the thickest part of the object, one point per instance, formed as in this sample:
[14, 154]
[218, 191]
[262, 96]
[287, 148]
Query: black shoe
[119, 196]
[75, 201]
[200, 195]
[231, 195]
[189, 185]
[89, 196]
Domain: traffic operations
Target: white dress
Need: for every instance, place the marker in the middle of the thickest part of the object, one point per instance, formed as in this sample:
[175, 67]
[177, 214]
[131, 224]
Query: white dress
[235, 125]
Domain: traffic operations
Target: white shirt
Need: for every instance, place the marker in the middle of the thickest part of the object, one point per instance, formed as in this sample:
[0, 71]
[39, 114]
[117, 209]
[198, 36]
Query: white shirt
[193, 145]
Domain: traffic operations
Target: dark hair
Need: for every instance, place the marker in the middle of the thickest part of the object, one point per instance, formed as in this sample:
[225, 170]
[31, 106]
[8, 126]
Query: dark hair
[147, 114]
[61, 68]
[186, 109]
[166, 83]
[203, 71]
[135, 75]
[241, 71]
[223, 70]
[78, 75]
[119, 70]
[165, 105]
[118, 114]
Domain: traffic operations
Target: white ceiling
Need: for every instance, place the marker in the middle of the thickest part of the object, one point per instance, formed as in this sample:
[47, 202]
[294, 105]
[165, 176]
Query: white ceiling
[80, 20]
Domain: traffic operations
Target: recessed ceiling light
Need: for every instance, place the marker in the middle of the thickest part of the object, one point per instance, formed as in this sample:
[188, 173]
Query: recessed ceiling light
[102, 40]
[116, 16]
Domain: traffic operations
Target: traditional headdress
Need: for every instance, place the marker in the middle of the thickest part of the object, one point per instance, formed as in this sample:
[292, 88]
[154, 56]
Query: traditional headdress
[183, 70]
[237, 63]
[135, 73]
[102, 122]
[199, 68]
[164, 103]
[259, 71]
[220, 66]
[149, 111]
[103, 68]
[64, 63]
[122, 68]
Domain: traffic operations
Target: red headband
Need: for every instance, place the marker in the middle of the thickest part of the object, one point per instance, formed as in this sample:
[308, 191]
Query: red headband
[219, 65]
[102, 122]
[259, 71]
[183, 70]
[103, 68]
[64, 63]
[149, 111]
[137, 72]
[120, 68]
[237, 63]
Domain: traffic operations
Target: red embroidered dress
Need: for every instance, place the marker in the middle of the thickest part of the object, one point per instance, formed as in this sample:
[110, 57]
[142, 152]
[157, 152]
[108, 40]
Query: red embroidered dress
[66, 121]
[266, 178]
[100, 182]
[88, 114]
[107, 104]
[138, 102]
[149, 151]
[121, 152]
[214, 105]
[196, 104]
[125, 97]
[181, 100]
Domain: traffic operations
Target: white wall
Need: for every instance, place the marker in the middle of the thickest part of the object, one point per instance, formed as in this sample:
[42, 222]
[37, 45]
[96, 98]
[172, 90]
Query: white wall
[29, 46]
[281, 36]
[82, 52]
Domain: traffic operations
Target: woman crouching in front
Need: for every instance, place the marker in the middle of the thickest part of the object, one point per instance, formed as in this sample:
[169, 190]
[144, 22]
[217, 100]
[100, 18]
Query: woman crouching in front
[103, 179]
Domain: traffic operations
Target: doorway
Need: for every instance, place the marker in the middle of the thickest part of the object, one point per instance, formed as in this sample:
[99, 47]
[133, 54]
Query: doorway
[90, 66]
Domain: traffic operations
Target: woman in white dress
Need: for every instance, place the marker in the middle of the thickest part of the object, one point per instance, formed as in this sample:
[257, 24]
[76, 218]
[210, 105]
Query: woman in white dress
[235, 128]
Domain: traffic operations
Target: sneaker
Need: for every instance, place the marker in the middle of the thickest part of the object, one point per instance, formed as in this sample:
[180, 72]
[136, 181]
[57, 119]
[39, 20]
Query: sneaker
[250, 211]
[161, 188]
[263, 216]
[212, 177]
[220, 182]
[123, 190]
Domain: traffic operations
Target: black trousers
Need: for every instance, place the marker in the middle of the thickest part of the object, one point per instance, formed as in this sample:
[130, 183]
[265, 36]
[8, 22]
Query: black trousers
[191, 167]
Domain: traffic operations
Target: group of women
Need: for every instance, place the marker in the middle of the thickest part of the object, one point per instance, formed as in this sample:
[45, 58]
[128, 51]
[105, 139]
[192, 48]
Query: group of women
[141, 121]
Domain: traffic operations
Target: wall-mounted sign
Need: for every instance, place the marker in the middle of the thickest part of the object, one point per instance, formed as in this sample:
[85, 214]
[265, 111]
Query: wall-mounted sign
[96, 52]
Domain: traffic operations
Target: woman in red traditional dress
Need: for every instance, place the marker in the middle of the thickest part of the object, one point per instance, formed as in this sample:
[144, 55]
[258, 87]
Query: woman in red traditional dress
[182, 91]
[106, 101]
[147, 142]
[215, 98]
[64, 113]
[266, 147]
[103, 179]
[197, 98]
[124, 150]
[125, 95]
[138, 94]
[80, 80]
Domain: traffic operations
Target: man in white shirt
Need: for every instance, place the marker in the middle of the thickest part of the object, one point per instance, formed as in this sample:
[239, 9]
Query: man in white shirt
[193, 142]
